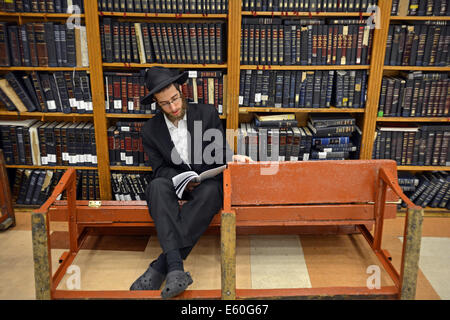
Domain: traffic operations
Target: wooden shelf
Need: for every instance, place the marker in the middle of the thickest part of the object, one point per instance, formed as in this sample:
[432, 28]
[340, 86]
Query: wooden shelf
[173, 65]
[45, 114]
[423, 168]
[420, 18]
[413, 119]
[305, 14]
[127, 168]
[17, 166]
[415, 68]
[322, 110]
[163, 15]
[138, 115]
[44, 68]
[296, 67]
[38, 15]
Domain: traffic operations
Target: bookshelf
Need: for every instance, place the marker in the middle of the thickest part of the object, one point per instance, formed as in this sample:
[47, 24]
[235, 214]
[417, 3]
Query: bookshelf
[391, 70]
[233, 114]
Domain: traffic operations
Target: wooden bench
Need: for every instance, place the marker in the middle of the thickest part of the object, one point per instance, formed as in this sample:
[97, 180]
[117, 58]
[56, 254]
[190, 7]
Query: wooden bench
[311, 193]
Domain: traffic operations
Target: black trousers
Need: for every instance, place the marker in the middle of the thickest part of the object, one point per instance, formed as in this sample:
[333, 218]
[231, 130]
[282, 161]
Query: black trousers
[177, 227]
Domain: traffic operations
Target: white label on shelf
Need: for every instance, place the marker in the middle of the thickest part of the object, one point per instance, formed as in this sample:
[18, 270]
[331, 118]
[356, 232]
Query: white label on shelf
[129, 160]
[82, 105]
[192, 74]
[94, 159]
[322, 155]
[51, 105]
[130, 105]
[89, 106]
[327, 149]
[52, 158]
[73, 102]
[44, 160]
[241, 100]
[65, 156]
[88, 158]
[126, 129]
[258, 97]
[117, 104]
[153, 106]
[293, 158]
[305, 156]
[220, 109]
[122, 156]
[264, 97]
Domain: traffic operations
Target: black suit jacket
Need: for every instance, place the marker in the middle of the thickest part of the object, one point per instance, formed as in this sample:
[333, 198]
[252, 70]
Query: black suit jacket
[163, 157]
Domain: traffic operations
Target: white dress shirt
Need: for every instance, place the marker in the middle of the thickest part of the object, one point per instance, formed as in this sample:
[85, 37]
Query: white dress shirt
[179, 136]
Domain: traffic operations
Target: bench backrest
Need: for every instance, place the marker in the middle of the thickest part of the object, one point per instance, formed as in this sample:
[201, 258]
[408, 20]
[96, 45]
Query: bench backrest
[309, 182]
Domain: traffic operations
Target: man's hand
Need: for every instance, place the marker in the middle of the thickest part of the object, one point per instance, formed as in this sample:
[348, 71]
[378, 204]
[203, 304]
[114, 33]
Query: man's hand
[191, 185]
[242, 158]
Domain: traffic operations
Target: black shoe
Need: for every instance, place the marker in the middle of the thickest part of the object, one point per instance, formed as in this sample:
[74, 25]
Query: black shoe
[150, 280]
[177, 281]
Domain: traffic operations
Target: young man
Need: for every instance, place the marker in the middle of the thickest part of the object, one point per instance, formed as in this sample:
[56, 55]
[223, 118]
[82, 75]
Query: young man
[173, 141]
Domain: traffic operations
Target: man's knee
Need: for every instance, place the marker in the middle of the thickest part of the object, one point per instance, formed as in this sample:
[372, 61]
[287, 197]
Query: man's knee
[156, 186]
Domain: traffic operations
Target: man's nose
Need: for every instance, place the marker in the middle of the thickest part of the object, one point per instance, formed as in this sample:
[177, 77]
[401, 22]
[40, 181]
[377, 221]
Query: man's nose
[173, 107]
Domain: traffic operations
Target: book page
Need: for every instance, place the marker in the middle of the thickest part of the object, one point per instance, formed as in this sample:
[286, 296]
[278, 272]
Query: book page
[210, 173]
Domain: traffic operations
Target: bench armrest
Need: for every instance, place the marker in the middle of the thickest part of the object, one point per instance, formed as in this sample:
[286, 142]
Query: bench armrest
[67, 183]
[393, 184]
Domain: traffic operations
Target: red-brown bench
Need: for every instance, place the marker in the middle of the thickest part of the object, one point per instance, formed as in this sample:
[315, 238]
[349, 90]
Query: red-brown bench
[311, 193]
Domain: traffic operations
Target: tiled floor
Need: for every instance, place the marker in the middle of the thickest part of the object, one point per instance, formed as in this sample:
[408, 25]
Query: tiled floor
[263, 261]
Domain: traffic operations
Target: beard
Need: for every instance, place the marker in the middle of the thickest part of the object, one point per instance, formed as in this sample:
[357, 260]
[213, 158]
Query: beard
[173, 118]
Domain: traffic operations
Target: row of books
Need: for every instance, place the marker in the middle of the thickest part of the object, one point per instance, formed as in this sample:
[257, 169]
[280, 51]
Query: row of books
[326, 137]
[308, 5]
[33, 187]
[33, 142]
[420, 8]
[123, 91]
[162, 42]
[303, 89]
[415, 94]
[165, 6]
[427, 189]
[61, 91]
[40, 6]
[425, 145]
[418, 44]
[129, 186]
[125, 144]
[44, 44]
[276, 41]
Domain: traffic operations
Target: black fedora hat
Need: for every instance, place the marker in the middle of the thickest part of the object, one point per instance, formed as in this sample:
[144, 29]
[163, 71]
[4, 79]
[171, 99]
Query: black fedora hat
[156, 78]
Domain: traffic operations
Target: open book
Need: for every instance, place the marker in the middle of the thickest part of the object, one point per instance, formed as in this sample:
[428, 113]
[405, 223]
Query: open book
[181, 180]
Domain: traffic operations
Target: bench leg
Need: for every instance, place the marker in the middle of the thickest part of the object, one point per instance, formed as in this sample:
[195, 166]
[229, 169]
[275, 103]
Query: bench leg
[228, 255]
[42, 268]
[411, 253]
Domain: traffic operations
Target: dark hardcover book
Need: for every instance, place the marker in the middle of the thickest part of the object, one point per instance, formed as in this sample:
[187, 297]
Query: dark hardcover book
[5, 59]
[27, 80]
[26, 55]
[39, 183]
[7, 102]
[51, 45]
[14, 44]
[31, 186]
[63, 93]
[331, 120]
[20, 91]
